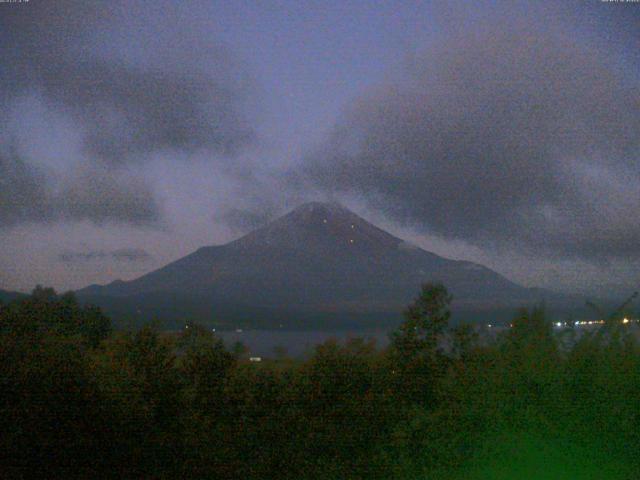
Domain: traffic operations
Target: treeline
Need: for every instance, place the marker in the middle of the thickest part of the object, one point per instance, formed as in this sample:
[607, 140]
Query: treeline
[78, 400]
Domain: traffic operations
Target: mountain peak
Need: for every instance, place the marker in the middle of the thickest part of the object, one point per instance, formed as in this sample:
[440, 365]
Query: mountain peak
[321, 207]
[320, 223]
[314, 213]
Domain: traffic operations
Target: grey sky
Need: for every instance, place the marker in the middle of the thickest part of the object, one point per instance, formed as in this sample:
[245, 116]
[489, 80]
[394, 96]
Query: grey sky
[503, 132]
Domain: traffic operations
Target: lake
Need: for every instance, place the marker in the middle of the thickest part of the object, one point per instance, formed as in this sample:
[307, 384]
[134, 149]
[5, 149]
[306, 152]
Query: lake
[296, 343]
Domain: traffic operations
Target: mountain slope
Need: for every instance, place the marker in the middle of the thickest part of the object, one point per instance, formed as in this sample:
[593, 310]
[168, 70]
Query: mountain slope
[320, 259]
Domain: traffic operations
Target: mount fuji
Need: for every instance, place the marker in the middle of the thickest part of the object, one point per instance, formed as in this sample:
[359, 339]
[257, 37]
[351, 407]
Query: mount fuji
[320, 265]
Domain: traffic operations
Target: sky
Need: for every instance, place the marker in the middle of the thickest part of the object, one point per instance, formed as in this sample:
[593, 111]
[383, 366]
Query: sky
[506, 133]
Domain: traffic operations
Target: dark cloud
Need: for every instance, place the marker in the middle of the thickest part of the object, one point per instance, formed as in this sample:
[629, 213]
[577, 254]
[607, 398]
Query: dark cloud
[134, 80]
[244, 220]
[121, 255]
[92, 193]
[99, 195]
[184, 93]
[23, 196]
[258, 198]
[515, 136]
[128, 112]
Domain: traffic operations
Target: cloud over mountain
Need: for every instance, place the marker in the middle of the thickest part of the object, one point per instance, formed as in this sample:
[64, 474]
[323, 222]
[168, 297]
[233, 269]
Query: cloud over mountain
[508, 134]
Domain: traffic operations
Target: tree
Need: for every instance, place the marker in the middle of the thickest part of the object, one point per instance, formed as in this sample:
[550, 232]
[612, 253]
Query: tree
[239, 349]
[530, 361]
[464, 340]
[150, 361]
[426, 319]
[94, 326]
[416, 360]
[205, 364]
[44, 311]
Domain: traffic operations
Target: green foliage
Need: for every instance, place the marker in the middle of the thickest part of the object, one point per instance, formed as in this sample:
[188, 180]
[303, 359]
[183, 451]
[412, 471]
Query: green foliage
[426, 319]
[415, 358]
[77, 400]
[464, 340]
[239, 349]
[45, 311]
[49, 409]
